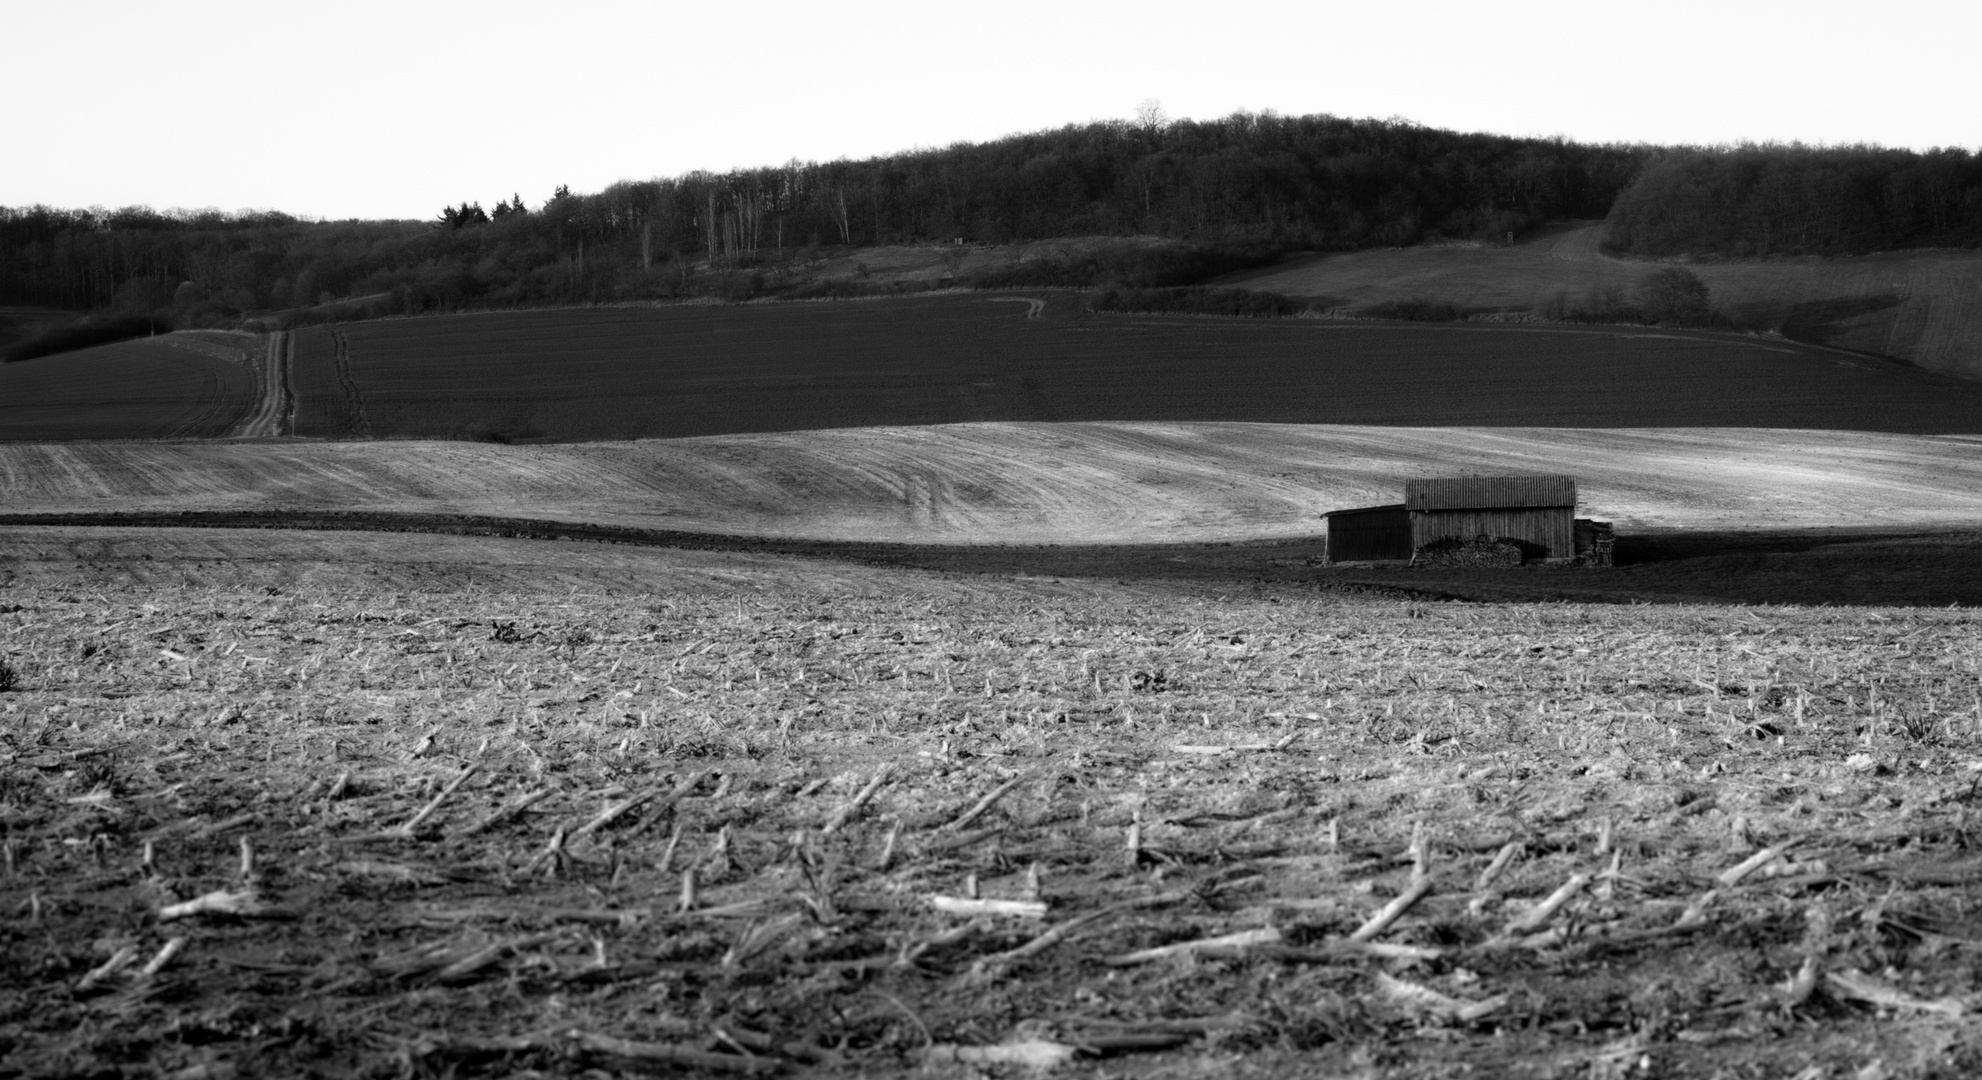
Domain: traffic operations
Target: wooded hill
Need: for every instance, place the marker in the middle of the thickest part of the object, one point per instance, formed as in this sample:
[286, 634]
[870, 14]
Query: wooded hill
[1796, 200]
[1238, 189]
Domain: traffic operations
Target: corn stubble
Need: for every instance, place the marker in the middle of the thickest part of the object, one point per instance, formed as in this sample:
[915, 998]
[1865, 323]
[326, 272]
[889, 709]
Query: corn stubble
[470, 832]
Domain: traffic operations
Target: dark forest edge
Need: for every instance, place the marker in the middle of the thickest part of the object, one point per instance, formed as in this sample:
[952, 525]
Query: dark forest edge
[1183, 201]
[86, 332]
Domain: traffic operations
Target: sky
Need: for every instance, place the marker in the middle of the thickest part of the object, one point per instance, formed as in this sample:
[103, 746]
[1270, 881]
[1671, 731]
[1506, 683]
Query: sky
[395, 109]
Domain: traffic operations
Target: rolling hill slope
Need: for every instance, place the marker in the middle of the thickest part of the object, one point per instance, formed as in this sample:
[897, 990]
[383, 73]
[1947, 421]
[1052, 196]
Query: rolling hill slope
[1921, 306]
[174, 386]
[579, 374]
[1029, 483]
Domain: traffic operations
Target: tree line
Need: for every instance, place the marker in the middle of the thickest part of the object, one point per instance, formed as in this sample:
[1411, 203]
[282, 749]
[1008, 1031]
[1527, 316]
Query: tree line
[1251, 184]
[1287, 182]
[1761, 200]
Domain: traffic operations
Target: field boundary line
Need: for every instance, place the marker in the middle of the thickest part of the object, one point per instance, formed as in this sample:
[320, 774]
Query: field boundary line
[878, 553]
[458, 525]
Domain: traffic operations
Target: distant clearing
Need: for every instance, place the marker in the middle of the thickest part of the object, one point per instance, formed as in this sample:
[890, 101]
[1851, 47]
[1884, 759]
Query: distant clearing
[584, 374]
[18, 323]
[926, 265]
[1030, 483]
[1921, 306]
[173, 386]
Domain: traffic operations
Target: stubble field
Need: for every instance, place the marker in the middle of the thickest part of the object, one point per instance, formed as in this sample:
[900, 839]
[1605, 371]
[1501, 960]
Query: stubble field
[358, 805]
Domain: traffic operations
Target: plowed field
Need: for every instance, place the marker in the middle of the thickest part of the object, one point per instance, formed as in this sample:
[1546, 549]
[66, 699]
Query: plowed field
[150, 388]
[1030, 483]
[588, 374]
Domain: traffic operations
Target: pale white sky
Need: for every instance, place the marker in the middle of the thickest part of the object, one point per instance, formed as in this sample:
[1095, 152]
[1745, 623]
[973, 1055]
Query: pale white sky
[395, 108]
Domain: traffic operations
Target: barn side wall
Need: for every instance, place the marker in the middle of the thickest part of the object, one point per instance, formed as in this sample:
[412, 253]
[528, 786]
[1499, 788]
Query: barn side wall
[1550, 528]
[1378, 534]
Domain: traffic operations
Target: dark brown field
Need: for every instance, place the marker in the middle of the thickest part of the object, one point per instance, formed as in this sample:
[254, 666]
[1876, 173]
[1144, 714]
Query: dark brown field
[549, 376]
[151, 388]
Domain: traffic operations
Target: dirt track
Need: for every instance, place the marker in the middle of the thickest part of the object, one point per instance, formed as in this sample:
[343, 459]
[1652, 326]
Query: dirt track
[272, 375]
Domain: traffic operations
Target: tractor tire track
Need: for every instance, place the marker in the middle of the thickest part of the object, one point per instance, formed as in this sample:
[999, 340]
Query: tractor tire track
[286, 423]
[1035, 308]
[354, 399]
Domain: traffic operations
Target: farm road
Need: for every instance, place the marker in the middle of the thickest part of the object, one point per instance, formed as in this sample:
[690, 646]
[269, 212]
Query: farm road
[1579, 243]
[272, 375]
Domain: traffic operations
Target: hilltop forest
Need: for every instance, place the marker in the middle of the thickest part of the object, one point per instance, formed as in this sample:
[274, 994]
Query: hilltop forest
[1233, 191]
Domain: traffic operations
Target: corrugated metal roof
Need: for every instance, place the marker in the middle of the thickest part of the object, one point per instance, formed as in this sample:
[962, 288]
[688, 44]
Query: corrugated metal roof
[1467, 492]
[1366, 509]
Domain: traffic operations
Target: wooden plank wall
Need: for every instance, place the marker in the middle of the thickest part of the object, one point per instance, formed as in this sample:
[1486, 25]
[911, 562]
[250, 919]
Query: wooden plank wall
[1475, 492]
[1550, 527]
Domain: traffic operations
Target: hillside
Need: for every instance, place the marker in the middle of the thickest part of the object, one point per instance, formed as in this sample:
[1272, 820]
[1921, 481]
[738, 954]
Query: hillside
[173, 386]
[1029, 483]
[1921, 306]
[18, 323]
[1247, 177]
[565, 375]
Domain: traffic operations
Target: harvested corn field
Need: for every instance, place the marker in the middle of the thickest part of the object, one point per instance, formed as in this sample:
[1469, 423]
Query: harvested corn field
[879, 823]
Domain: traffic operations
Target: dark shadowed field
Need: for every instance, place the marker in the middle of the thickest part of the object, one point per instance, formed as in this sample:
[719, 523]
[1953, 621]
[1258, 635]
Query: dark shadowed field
[150, 388]
[596, 374]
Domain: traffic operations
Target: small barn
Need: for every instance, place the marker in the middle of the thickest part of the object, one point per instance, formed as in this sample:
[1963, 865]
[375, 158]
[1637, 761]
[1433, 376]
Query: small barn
[1472, 520]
